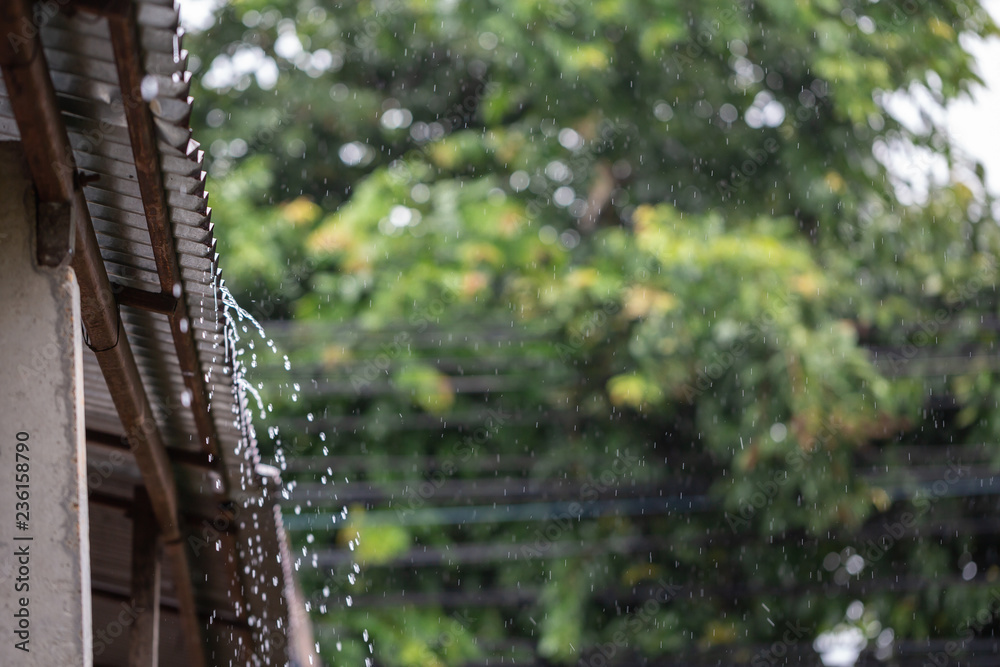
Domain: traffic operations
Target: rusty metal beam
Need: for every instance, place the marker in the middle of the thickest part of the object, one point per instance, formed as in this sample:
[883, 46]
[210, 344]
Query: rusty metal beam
[110, 344]
[142, 134]
[154, 302]
[53, 169]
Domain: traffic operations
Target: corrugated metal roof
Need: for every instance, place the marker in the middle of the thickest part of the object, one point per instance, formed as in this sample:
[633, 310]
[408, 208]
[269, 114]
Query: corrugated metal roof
[234, 536]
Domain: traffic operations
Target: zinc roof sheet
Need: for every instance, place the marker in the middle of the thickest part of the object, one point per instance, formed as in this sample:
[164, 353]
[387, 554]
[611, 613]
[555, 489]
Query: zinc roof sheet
[243, 593]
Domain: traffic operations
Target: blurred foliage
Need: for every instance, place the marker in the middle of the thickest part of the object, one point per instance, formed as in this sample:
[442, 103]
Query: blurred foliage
[670, 225]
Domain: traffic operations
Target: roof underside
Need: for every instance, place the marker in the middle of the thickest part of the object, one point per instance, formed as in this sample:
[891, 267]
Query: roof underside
[178, 335]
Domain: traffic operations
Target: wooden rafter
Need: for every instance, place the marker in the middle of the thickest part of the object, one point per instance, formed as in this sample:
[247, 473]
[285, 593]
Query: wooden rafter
[128, 60]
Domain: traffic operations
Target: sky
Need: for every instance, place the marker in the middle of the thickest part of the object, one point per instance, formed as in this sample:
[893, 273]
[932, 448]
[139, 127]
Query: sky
[973, 123]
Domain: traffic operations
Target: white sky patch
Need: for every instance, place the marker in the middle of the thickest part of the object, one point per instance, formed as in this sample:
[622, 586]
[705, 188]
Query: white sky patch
[969, 123]
[972, 123]
[197, 15]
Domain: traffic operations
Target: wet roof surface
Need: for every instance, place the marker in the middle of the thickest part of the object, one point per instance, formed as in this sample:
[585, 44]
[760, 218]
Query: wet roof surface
[233, 528]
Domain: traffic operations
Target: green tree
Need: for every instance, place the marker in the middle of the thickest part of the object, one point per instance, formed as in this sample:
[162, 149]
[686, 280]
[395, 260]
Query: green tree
[667, 230]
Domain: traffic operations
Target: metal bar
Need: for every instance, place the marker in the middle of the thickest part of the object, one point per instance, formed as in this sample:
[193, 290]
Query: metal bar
[114, 355]
[128, 59]
[144, 637]
[194, 459]
[155, 302]
[53, 168]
